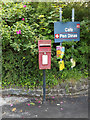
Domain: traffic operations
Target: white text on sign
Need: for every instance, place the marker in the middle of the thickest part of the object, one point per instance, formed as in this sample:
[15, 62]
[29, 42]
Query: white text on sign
[68, 30]
[68, 35]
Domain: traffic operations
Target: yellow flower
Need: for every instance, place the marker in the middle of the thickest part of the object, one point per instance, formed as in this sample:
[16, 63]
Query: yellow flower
[40, 22]
[42, 28]
[6, 25]
[41, 15]
[17, 22]
[23, 57]
[16, 4]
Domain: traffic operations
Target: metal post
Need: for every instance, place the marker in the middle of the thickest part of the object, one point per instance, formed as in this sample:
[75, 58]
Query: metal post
[60, 21]
[61, 44]
[60, 14]
[72, 21]
[44, 86]
[72, 14]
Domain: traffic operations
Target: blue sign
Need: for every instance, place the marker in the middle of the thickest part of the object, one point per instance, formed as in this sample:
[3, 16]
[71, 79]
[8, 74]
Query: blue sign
[68, 31]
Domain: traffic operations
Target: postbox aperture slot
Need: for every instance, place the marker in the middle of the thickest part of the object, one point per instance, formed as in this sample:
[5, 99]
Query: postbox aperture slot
[45, 45]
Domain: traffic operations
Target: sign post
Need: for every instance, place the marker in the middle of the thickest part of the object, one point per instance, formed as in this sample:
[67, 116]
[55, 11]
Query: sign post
[60, 14]
[60, 21]
[72, 21]
[60, 42]
[72, 14]
[67, 31]
[72, 45]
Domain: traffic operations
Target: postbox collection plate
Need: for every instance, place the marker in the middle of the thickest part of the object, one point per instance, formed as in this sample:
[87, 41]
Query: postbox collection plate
[44, 59]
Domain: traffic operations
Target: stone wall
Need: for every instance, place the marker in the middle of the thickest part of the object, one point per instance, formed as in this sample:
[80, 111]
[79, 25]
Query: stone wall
[63, 89]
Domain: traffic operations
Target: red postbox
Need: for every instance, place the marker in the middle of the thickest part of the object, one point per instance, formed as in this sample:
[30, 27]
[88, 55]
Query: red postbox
[44, 47]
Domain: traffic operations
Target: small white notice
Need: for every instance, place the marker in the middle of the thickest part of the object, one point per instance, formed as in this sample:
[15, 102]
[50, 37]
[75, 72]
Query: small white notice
[44, 59]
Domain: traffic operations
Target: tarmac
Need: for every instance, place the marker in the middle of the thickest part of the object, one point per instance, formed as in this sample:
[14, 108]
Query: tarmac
[54, 107]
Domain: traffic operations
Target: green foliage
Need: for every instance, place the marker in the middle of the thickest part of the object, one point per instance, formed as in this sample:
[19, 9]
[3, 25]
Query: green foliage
[22, 27]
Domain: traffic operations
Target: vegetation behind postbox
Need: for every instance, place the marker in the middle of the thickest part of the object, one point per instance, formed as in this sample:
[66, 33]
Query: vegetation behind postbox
[23, 26]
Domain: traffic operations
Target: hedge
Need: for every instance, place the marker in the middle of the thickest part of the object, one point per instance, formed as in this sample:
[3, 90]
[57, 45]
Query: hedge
[23, 24]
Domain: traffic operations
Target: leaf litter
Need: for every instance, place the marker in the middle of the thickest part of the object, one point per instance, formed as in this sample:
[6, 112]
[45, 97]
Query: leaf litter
[14, 109]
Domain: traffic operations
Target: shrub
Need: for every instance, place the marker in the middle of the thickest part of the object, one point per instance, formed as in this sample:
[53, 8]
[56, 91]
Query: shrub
[23, 24]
